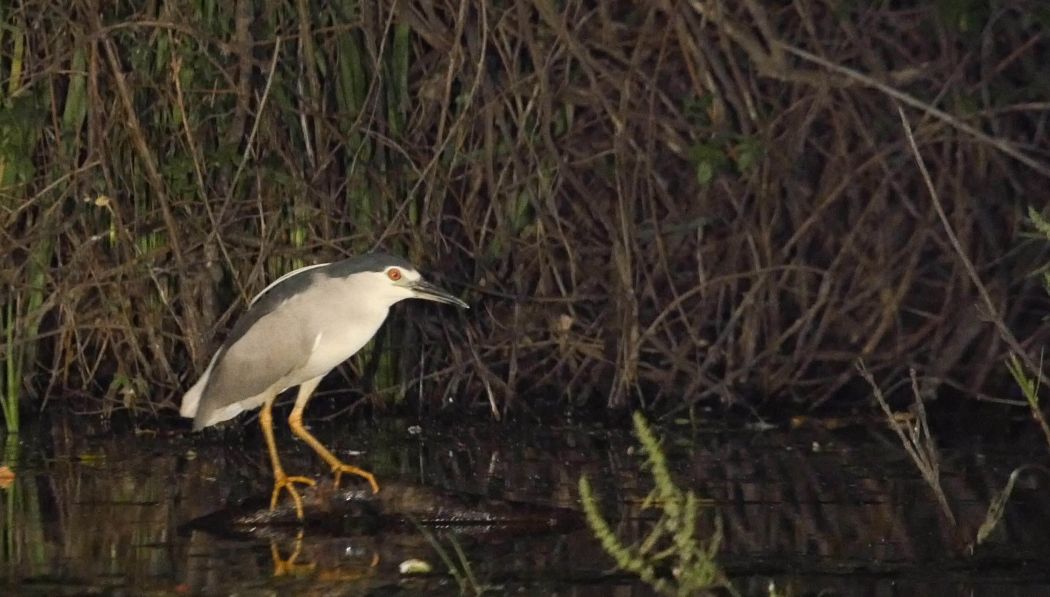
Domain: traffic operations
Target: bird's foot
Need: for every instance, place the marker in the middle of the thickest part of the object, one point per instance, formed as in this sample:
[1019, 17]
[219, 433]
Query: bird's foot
[283, 481]
[339, 468]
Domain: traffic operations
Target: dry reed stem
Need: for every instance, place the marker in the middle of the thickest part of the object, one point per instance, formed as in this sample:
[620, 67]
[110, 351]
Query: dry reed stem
[916, 439]
[989, 305]
[655, 203]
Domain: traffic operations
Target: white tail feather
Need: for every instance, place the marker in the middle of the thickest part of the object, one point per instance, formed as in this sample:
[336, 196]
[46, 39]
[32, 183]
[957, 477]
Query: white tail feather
[192, 398]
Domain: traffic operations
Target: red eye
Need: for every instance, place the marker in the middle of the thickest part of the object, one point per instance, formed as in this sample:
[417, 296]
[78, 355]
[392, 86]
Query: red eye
[394, 274]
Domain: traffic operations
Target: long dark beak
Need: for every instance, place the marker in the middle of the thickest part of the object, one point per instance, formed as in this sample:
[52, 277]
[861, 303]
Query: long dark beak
[427, 291]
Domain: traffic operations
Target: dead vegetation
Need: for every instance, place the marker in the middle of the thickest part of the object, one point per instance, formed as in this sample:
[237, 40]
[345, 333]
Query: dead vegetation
[666, 202]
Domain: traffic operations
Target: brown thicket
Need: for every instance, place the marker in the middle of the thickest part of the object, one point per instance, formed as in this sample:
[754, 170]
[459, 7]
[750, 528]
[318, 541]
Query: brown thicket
[671, 202]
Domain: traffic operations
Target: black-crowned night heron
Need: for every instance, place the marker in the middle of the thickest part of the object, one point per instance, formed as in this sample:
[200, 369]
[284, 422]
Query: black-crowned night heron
[295, 331]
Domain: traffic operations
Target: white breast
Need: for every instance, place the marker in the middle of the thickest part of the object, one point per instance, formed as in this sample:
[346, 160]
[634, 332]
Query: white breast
[345, 326]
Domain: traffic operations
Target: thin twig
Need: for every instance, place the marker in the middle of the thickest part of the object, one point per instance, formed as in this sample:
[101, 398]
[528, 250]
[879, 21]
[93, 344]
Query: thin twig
[986, 298]
[917, 441]
[1000, 144]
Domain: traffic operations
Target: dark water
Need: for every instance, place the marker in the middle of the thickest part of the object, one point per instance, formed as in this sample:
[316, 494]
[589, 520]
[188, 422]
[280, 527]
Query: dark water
[805, 511]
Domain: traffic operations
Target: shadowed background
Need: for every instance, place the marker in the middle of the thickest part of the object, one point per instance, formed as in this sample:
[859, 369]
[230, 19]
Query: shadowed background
[666, 203]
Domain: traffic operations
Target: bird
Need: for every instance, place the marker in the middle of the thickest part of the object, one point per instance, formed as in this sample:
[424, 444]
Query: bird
[293, 333]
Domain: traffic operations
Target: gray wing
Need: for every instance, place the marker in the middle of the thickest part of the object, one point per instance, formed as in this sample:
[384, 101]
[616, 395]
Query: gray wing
[267, 342]
[274, 347]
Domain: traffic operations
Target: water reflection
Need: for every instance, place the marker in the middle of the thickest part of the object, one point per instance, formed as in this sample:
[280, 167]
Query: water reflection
[109, 512]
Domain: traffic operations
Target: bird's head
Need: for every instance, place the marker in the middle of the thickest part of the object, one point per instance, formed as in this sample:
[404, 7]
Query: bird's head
[404, 282]
[388, 279]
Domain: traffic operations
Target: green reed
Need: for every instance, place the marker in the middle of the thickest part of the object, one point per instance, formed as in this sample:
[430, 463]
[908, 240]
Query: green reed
[21, 128]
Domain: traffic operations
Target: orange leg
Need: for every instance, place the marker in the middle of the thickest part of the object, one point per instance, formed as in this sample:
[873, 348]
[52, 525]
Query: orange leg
[295, 421]
[280, 479]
